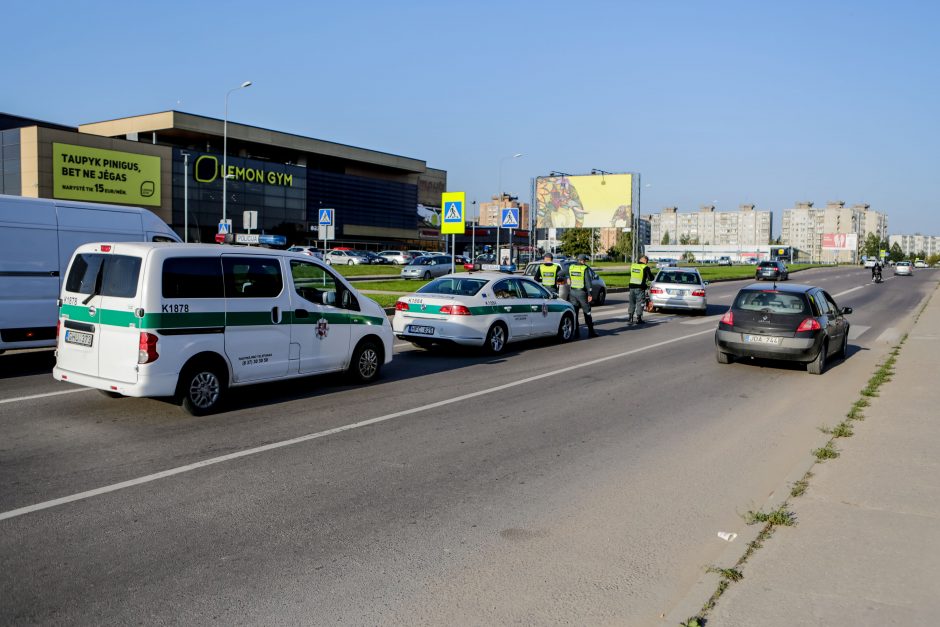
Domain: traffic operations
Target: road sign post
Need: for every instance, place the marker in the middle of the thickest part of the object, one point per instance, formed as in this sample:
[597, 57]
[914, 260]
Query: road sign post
[453, 217]
[325, 220]
[509, 219]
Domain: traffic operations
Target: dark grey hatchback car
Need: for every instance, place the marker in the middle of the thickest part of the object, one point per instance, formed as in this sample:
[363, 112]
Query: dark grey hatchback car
[794, 322]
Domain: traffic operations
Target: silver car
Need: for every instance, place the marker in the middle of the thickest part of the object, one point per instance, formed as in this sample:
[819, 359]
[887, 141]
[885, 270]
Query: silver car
[343, 258]
[427, 267]
[398, 257]
[904, 268]
[679, 288]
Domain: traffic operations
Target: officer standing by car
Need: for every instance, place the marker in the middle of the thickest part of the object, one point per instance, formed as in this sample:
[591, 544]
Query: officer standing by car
[640, 278]
[579, 281]
[548, 273]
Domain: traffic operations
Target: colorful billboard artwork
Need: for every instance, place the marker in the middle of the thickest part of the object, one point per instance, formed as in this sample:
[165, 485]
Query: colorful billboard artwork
[590, 201]
[840, 241]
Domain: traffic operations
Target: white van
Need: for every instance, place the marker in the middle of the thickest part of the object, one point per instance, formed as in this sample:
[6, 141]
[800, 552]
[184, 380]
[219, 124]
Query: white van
[37, 239]
[192, 320]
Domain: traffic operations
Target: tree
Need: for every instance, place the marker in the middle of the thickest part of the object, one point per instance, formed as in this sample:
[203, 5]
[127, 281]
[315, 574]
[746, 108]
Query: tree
[871, 246]
[623, 248]
[895, 253]
[684, 240]
[688, 257]
[665, 240]
[933, 260]
[578, 241]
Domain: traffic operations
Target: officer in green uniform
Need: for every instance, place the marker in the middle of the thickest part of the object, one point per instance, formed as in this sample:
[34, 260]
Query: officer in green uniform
[640, 278]
[580, 295]
[548, 273]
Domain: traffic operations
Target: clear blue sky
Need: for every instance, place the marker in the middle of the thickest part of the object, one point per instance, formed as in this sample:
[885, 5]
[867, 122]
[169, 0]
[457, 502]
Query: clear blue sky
[735, 102]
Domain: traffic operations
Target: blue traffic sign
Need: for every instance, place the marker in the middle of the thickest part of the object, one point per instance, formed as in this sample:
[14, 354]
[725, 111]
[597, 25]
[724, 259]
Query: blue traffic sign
[326, 217]
[510, 218]
[453, 212]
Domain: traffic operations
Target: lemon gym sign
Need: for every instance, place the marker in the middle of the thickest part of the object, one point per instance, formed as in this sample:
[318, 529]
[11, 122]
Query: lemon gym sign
[110, 176]
[207, 169]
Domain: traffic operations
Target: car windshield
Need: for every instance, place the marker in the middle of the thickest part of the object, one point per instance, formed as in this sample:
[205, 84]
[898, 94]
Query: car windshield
[452, 285]
[768, 264]
[420, 261]
[771, 301]
[686, 278]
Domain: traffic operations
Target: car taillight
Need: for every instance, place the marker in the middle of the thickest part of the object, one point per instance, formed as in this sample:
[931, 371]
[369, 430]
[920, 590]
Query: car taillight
[147, 348]
[810, 324]
[455, 310]
[401, 306]
[728, 318]
[106, 248]
[698, 292]
[656, 290]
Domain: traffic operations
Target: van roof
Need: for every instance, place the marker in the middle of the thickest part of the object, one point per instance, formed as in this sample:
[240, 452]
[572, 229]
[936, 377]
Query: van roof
[142, 248]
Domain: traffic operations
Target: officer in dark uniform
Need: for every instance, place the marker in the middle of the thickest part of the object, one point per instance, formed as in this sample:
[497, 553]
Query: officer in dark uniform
[579, 279]
[548, 273]
[640, 278]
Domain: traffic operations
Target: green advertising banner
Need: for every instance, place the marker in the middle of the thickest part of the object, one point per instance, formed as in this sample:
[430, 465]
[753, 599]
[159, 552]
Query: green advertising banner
[109, 176]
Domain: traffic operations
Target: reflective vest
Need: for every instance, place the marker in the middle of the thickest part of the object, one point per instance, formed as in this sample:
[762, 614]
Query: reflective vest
[549, 272]
[577, 271]
[637, 270]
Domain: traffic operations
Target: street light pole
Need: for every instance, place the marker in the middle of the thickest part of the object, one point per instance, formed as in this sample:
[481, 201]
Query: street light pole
[185, 197]
[225, 149]
[499, 203]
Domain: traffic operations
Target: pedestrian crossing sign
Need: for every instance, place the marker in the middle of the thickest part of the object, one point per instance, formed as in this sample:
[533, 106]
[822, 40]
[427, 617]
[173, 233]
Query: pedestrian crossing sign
[453, 216]
[326, 217]
[510, 218]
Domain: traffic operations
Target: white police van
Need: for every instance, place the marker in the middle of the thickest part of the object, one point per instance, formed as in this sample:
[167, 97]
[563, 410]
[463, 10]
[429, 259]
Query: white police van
[192, 320]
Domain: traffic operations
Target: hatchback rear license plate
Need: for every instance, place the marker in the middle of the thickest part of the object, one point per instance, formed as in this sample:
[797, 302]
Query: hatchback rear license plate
[675, 292]
[420, 330]
[77, 337]
[762, 339]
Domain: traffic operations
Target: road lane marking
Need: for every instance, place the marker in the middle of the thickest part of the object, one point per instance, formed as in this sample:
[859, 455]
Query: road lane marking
[704, 320]
[889, 336]
[14, 513]
[35, 396]
[856, 330]
[849, 291]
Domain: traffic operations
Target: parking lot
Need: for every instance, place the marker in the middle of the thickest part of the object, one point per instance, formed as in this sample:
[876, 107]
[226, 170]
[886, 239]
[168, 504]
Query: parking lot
[582, 482]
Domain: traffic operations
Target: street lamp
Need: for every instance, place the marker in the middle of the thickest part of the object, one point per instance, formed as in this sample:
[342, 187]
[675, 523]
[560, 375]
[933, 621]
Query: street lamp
[499, 204]
[225, 148]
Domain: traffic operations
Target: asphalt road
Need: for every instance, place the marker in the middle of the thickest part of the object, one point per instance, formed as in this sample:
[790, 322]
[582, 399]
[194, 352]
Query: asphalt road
[581, 483]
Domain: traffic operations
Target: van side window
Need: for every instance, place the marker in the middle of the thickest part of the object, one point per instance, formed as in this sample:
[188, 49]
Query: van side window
[106, 275]
[192, 277]
[252, 277]
[312, 283]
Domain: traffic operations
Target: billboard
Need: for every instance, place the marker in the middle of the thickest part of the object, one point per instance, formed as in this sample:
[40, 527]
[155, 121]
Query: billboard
[109, 176]
[589, 201]
[840, 241]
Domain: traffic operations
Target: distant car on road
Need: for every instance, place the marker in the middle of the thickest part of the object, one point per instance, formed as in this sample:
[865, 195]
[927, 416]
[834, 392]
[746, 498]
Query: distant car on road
[679, 288]
[427, 267]
[920, 263]
[598, 286]
[870, 263]
[903, 268]
[799, 323]
[775, 270]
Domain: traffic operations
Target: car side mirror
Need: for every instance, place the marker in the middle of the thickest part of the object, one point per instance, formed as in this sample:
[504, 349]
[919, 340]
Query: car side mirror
[553, 295]
[704, 282]
[846, 310]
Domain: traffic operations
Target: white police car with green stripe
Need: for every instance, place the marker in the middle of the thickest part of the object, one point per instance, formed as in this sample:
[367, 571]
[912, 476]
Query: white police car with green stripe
[192, 320]
[488, 309]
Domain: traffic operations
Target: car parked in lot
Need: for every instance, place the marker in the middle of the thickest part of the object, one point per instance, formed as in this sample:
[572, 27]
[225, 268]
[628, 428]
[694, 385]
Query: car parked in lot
[679, 288]
[799, 323]
[775, 270]
[398, 257]
[903, 268]
[338, 257]
[371, 258]
[598, 286]
[487, 309]
[427, 267]
[310, 251]
[724, 261]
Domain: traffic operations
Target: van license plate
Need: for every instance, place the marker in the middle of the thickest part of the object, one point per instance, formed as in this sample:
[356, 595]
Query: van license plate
[762, 339]
[420, 330]
[77, 337]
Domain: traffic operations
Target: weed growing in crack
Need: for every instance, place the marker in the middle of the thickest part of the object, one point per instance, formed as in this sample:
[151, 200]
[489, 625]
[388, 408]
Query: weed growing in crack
[780, 517]
[826, 452]
[731, 574]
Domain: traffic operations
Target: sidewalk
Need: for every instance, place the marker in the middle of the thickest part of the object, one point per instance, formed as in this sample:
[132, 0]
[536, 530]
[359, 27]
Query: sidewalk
[866, 547]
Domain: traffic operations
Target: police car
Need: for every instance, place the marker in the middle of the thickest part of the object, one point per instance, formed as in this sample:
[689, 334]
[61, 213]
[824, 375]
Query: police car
[192, 320]
[488, 309]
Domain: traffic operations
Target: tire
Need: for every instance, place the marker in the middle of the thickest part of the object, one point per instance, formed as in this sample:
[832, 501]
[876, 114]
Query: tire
[366, 362]
[723, 357]
[495, 342]
[349, 263]
[656, 309]
[818, 365]
[110, 394]
[203, 388]
[566, 328]
[601, 298]
[427, 275]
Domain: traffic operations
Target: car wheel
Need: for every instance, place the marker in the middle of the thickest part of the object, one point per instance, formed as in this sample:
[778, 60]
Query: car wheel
[657, 309]
[566, 328]
[203, 388]
[818, 365]
[495, 339]
[723, 357]
[601, 298]
[349, 263]
[427, 275]
[366, 362]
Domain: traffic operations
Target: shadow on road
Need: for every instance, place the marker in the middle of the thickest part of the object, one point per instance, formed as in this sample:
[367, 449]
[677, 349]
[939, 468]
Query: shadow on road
[27, 364]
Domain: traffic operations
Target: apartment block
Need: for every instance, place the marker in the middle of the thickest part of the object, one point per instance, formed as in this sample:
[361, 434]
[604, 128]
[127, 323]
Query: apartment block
[916, 243]
[746, 227]
[804, 225]
[491, 212]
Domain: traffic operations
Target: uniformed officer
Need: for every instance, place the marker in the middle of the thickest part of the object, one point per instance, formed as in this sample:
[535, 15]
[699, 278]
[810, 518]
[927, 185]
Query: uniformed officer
[548, 273]
[640, 278]
[580, 295]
